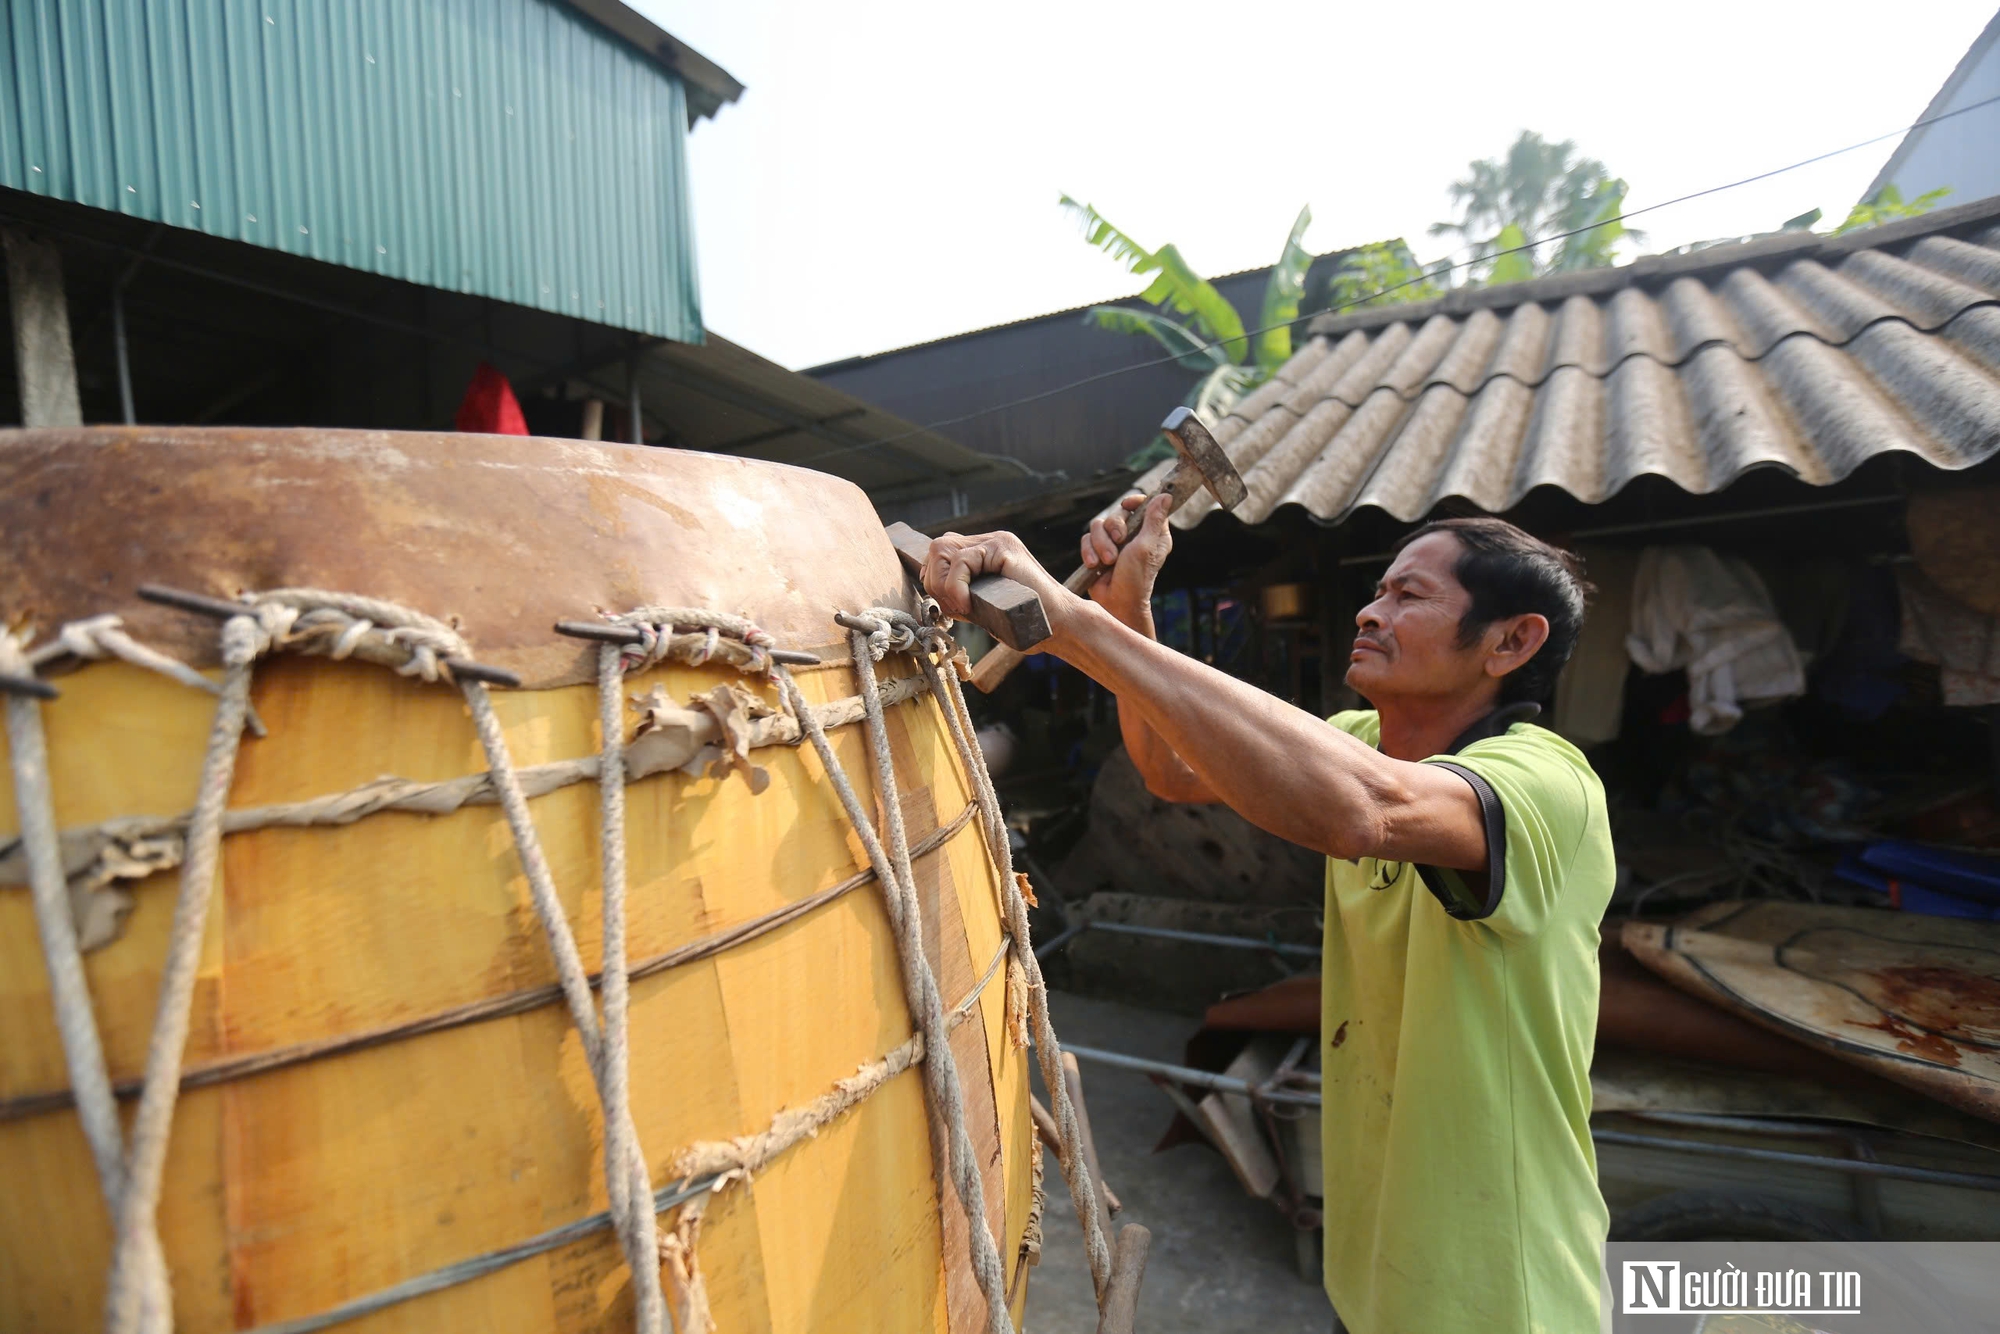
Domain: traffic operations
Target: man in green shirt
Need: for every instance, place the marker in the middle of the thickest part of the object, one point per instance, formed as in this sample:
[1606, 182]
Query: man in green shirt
[1468, 863]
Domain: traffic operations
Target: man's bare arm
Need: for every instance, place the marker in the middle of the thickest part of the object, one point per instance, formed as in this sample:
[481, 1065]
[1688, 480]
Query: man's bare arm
[1126, 592]
[1166, 774]
[1276, 765]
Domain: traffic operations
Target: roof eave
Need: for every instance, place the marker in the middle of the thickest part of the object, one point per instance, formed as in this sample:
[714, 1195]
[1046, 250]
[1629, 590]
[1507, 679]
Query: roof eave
[1652, 271]
[709, 86]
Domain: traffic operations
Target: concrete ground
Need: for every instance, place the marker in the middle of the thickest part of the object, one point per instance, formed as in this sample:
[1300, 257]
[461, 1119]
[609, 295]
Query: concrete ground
[1220, 1262]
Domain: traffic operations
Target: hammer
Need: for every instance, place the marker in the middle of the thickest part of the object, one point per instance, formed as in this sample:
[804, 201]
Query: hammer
[1010, 611]
[1201, 464]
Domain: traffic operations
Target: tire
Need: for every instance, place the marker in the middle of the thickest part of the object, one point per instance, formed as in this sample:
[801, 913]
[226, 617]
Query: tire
[1708, 1215]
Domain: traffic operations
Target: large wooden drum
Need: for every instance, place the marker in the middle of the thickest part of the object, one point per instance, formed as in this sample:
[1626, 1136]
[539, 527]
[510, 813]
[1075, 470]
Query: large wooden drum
[382, 1086]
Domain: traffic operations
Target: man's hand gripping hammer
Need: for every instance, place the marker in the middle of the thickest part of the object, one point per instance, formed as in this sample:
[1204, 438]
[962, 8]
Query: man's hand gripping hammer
[1202, 464]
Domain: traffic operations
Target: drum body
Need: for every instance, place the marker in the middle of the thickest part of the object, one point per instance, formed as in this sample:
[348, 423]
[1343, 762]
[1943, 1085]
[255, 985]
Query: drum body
[420, 1107]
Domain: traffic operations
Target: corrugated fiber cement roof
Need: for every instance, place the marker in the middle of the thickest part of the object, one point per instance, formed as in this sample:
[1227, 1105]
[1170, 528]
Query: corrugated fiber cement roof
[1811, 354]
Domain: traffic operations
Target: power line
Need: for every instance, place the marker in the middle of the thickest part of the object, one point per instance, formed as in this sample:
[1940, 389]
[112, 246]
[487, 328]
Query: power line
[1425, 276]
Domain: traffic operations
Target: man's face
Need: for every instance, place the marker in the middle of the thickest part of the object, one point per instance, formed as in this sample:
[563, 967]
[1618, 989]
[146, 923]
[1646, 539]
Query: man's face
[1406, 640]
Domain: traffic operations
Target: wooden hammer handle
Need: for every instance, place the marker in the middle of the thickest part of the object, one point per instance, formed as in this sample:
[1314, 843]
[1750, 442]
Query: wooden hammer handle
[1005, 608]
[992, 669]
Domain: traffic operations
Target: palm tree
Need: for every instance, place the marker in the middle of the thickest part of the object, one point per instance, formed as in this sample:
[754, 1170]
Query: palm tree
[1537, 189]
[1194, 322]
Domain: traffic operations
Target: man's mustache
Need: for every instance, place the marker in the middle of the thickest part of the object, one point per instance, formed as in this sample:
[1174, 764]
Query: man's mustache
[1381, 644]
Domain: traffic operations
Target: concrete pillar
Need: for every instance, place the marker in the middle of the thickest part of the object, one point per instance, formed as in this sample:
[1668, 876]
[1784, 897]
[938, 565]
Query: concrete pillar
[43, 362]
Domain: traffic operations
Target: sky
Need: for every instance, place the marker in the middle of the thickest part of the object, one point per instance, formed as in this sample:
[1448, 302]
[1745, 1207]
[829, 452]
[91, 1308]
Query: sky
[891, 173]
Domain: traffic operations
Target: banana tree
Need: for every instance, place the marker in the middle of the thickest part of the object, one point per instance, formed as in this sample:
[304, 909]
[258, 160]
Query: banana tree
[1194, 322]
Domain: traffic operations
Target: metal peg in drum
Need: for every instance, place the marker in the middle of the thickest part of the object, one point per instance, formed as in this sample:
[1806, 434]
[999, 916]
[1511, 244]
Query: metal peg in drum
[32, 687]
[198, 603]
[597, 630]
[625, 634]
[222, 609]
[463, 670]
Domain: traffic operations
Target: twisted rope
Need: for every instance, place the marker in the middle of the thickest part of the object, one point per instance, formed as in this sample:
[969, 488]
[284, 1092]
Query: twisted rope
[342, 625]
[892, 868]
[69, 992]
[1048, 1052]
[335, 625]
[134, 846]
[882, 630]
[627, 1181]
[339, 626]
[137, 1297]
[630, 1194]
[96, 638]
[713, 634]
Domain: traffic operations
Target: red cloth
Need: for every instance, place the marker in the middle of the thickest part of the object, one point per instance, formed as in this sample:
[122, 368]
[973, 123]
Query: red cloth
[489, 406]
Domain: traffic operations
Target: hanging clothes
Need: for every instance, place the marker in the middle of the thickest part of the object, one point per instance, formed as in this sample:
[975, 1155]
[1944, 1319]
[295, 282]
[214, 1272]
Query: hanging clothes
[1963, 641]
[1711, 615]
[489, 406]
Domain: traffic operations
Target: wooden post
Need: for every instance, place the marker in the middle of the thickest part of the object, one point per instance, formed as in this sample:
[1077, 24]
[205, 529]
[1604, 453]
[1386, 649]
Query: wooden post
[43, 362]
[635, 414]
[1120, 1311]
[1045, 1127]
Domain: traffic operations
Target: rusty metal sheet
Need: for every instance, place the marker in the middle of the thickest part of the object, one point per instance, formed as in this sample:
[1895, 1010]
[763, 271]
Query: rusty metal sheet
[1626, 1081]
[501, 535]
[1912, 998]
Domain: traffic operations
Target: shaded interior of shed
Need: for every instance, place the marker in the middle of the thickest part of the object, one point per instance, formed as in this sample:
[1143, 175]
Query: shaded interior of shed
[218, 332]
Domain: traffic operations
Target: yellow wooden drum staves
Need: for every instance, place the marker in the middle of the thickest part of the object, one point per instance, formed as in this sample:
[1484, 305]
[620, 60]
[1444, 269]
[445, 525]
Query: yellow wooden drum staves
[388, 1112]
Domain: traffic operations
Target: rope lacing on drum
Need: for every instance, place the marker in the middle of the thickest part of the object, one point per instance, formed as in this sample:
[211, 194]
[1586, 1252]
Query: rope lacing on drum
[711, 636]
[344, 625]
[873, 634]
[881, 630]
[95, 638]
[1048, 1050]
[336, 625]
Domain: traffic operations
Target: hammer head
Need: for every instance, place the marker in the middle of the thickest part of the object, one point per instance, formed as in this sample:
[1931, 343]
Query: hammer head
[1199, 451]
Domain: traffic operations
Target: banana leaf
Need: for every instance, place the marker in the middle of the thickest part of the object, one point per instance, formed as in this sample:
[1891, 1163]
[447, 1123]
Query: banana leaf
[1177, 287]
[1219, 390]
[1189, 349]
[1282, 294]
[1183, 291]
[1099, 233]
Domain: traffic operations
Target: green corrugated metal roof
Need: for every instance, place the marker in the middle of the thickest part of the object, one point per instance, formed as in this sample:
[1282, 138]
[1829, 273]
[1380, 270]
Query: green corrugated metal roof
[505, 148]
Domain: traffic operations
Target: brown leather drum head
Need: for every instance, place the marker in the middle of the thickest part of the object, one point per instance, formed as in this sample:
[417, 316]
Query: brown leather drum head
[501, 535]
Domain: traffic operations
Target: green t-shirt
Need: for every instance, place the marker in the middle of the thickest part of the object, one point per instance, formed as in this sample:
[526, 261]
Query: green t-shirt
[1461, 1185]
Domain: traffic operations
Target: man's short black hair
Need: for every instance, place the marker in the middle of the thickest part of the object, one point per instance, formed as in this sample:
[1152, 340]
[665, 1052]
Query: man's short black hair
[1509, 573]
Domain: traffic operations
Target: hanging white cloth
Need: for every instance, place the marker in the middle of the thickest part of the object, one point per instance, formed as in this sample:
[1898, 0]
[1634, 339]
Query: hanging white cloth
[1963, 641]
[1710, 614]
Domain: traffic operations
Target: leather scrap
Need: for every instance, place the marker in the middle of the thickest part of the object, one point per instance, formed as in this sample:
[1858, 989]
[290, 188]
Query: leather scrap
[710, 738]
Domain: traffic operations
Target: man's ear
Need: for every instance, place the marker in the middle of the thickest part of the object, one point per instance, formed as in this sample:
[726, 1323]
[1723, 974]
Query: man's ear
[1511, 642]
